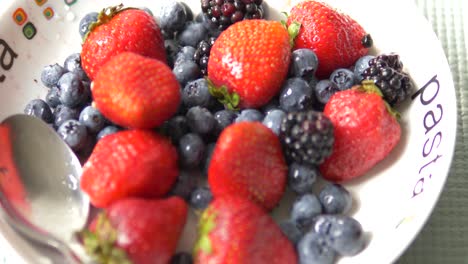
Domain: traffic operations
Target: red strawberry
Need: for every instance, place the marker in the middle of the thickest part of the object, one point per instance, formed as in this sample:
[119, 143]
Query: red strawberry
[365, 132]
[248, 161]
[234, 230]
[251, 58]
[129, 163]
[135, 91]
[119, 30]
[335, 37]
[136, 231]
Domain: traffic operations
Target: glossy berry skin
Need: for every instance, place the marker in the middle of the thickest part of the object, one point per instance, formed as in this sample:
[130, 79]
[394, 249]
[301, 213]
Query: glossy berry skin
[136, 91]
[74, 134]
[248, 161]
[73, 64]
[334, 37]
[304, 209]
[301, 177]
[147, 230]
[136, 163]
[92, 119]
[273, 120]
[313, 248]
[304, 63]
[72, 90]
[132, 30]
[186, 71]
[249, 115]
[108, 130]
[343, 233]
[252, 59]
[324, 89]
[292, 230]
[51, 74]
[200, 120]
[360, 66]
[296, 95]
[196, 93]
[223, 119]
[63, 113]
[365, 133]
[191, 150]
[335, 199]
[201, 198]
[86, 21]
[172, 16]
[40, 109]
[53, 97]
[343, 78]
[192, 34]
[235, 230]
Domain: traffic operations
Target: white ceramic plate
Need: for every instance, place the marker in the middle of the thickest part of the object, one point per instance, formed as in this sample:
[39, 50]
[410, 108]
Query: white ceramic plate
[392, 202]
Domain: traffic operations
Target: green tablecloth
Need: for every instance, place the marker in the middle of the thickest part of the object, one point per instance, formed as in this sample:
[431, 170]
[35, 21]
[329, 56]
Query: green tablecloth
[444, 239]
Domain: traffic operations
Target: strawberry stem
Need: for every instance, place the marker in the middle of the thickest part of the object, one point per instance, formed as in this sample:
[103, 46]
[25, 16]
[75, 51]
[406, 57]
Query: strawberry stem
[368, 86]
[100, 245]
[229, 100]
[105, 16]
[293, 29]
[205, 225]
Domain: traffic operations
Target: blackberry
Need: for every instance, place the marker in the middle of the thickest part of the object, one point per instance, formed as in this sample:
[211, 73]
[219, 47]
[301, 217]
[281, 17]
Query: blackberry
[202, 54]
[386, 71]
[307, 137]
[224, 13]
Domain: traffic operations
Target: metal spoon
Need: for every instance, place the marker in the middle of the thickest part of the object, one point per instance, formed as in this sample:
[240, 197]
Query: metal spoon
[39, 185]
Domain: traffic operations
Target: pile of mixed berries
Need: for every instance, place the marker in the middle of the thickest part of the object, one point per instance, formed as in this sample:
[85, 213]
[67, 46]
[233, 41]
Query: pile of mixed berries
[223, 112]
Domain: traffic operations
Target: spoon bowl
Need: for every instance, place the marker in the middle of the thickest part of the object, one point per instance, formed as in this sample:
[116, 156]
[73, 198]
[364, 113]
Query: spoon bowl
[39, 183]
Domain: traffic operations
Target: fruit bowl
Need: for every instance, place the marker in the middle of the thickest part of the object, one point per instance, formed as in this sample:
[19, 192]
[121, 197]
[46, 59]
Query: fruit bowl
[392, 201]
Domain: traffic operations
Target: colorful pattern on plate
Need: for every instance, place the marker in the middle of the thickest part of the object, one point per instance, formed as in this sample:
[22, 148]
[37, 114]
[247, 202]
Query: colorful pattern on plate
[21, 17]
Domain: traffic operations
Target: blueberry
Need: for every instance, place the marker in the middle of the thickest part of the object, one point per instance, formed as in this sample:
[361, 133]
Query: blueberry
[73, 133]
[185, 184]
[196, 93]
[360, 65]
[208, 154]
[53, 97]
[182, 258]
[208, 24]
[296, 95]
[335, 199]
[63, 113]
[291, 230]
[314, 249]
[272, 105]
[172, 48]
[108, 130]
[301, 177]
[71, 89]
[188, 11]
[304, 63]
[86, 21]
[192, 34]
[177, 127]
[172, 16]
[273, 120]
[186, 71]
[249, 115]
[324, 90]
[304, 209]
[343, 78]
[200, 120]
[223, 119]
[343, 233]
[92, 119]
[40, 109]
[201, 198]
[51, 74]
[73, 64]
[186, 53]
[191, 150]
